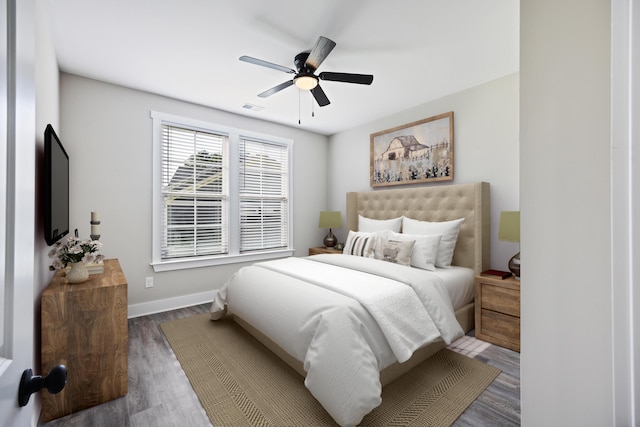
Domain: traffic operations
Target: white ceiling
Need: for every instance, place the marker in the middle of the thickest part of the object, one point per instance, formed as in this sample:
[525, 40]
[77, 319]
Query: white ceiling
[417, 50]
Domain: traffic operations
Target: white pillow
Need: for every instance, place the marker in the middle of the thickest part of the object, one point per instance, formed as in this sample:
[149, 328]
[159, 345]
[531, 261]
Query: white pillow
[425, 250]
[371, 225]
[448, 229]
[395, 251]
[361, 244]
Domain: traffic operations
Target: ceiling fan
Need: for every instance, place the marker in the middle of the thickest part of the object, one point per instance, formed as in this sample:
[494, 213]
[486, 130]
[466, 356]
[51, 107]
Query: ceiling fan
[306, 64]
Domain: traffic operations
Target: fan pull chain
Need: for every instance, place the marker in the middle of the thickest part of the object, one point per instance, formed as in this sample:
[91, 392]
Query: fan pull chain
[313, 108]
[299, 101]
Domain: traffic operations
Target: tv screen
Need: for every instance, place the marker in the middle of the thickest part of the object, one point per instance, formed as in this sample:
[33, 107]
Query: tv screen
[56, 188]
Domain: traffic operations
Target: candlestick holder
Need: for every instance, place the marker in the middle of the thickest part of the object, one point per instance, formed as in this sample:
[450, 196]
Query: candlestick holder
[95, 226]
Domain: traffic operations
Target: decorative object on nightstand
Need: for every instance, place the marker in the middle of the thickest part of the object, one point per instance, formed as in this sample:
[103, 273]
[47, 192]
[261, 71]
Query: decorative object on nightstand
[75, 253]
[510, 232]
[497, 311]
[96, 267]
[498, 274]
[330, 219]
[78, 272]
[95, 226]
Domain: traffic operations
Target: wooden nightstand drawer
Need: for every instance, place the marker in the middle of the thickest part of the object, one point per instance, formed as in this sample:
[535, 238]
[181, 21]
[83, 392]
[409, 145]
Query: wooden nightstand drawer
[498, 298]
[498, 311]
[323, 250]
[502, 328]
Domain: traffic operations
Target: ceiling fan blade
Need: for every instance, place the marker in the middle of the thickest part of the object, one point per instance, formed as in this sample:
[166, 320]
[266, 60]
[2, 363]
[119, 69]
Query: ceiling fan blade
[363, 79]
[276, 89]
[267, 64]
[319, 53]
[320, 96]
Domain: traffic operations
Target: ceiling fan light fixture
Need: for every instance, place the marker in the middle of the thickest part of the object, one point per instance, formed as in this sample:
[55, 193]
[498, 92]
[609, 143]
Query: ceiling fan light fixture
[306, 82]
[306, 64]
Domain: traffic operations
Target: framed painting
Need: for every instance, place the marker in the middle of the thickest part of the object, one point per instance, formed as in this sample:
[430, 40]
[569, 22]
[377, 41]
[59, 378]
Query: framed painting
[414, 153]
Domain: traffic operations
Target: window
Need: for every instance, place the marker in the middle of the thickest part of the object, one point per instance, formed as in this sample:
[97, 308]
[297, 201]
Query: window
[221, 195]
[264, 201]
[195, 193]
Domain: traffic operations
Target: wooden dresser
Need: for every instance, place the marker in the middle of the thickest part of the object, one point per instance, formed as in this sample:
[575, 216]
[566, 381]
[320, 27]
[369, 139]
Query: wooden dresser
[497, 307]
[84, 327]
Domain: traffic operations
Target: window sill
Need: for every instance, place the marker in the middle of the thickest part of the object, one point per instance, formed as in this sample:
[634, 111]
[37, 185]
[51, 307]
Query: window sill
[183, 264]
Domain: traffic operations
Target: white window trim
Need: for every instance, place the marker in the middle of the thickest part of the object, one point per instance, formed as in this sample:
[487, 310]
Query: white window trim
[234, 256]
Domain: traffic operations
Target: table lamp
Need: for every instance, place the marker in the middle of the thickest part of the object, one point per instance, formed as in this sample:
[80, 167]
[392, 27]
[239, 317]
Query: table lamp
[510, 232]
[330, 219]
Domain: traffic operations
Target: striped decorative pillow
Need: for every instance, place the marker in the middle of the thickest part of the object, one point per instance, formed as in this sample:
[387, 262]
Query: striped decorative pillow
[361, 244]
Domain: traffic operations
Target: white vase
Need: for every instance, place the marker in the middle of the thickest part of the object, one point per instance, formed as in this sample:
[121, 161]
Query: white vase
[78, 273]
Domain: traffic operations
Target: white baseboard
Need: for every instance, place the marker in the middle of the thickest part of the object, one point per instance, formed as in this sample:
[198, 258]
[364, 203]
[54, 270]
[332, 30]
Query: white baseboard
[145, 308]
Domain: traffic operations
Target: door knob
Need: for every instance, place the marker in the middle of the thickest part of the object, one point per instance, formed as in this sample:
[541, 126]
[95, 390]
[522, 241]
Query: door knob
[29, 384]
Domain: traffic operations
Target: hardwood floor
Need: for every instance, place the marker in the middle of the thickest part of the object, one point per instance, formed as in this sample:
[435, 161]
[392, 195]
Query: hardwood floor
[160, 394]
[499, 404]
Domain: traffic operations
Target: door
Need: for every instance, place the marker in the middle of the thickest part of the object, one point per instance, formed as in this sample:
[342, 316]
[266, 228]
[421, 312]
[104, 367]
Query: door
[17, 193]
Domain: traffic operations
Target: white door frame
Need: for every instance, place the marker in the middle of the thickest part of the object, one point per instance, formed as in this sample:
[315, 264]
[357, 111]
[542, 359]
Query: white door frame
[625, 209]
[18, 151]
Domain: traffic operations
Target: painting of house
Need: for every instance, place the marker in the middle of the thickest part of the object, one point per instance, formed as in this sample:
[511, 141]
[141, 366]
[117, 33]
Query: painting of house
[415, 153]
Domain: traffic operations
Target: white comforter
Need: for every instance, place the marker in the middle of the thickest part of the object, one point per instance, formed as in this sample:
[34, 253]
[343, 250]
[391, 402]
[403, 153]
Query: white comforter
[345, 317]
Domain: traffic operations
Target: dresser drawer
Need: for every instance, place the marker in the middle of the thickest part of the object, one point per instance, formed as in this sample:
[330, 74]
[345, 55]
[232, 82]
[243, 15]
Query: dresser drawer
[501, 299]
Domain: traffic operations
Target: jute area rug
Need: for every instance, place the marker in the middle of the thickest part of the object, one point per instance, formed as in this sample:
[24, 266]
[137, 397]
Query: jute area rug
[241, 383]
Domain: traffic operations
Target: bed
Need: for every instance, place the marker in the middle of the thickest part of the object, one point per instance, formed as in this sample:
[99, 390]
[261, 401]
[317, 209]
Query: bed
[351, 324]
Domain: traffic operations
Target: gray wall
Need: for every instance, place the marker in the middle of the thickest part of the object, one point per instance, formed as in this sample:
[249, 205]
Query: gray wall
[107, 132]
[565, 195]
[485, 149]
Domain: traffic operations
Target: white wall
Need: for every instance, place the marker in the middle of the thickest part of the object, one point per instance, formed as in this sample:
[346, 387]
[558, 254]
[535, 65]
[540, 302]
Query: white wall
[565, 199]
[47, 111]
[107, 132]
[485, 149]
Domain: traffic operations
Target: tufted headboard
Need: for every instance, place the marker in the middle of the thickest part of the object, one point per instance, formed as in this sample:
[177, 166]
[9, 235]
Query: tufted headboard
[438, 203]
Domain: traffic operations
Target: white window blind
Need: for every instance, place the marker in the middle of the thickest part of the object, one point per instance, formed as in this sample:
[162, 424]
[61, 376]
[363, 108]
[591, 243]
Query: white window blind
[195, 192]
[264, 195]
[220, 194]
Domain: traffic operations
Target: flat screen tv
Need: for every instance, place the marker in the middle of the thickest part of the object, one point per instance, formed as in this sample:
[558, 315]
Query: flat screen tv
[56, 188]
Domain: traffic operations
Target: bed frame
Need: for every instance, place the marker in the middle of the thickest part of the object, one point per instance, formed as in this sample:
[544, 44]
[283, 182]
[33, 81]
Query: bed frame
[437, 203]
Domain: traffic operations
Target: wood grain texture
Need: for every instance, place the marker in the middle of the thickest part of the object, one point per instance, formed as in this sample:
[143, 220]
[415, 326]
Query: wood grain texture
[500, 298]
[84, 327]
[160, 394]
[499, 404]
[323, 250]
[498, 311]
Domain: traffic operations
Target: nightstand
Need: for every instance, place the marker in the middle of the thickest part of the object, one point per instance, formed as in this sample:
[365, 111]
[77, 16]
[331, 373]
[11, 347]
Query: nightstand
[323, 250]
[85, 327]
[497, 313]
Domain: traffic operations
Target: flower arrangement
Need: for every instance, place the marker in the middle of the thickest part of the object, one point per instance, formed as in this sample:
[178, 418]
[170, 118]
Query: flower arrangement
[75, 250]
